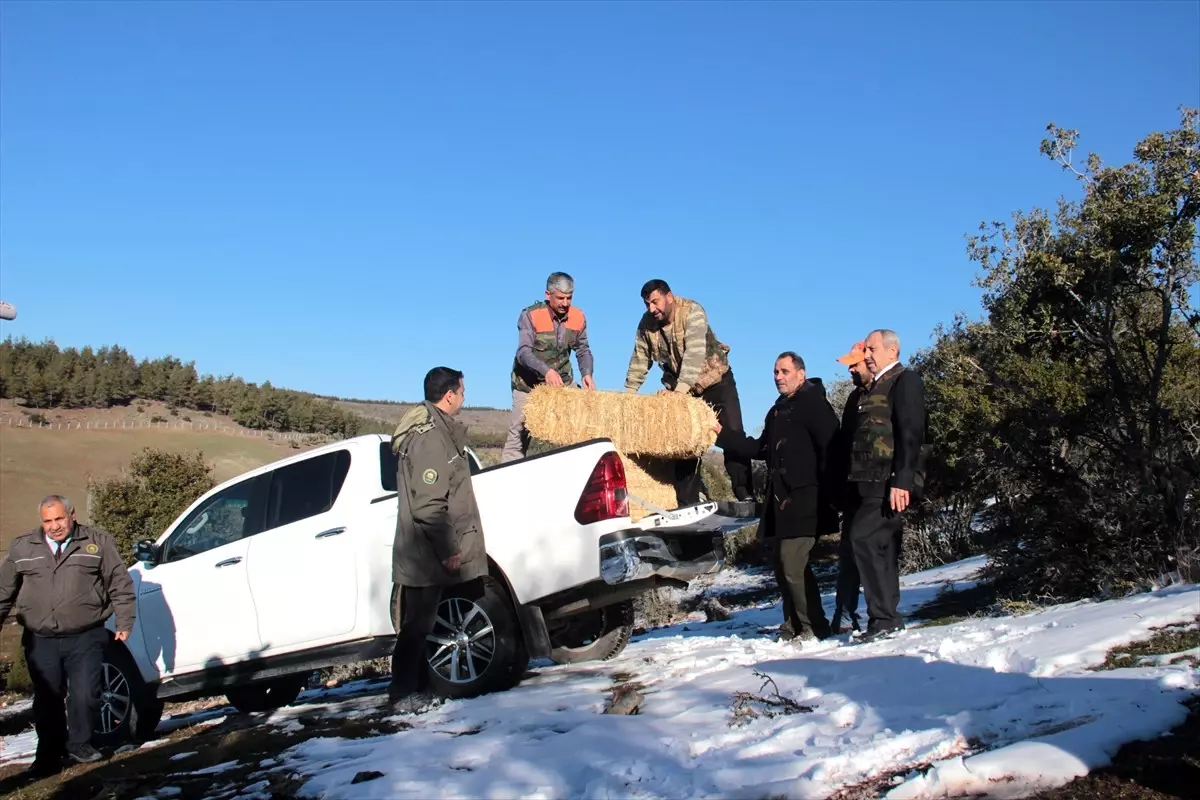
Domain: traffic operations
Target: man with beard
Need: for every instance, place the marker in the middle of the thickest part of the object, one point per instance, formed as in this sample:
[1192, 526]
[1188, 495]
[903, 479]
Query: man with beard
[800, 503]
[674, 333]
[846, 610]
[887, 455]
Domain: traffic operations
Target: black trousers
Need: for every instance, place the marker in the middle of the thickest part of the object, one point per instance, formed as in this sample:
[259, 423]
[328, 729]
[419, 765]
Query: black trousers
[66, 672]
[418, 613]
[875, 535]
[848, 579]
[723, 397]
[802, 609]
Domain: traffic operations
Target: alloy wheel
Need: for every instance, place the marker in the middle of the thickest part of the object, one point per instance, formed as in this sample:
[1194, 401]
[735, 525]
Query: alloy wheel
[116, 699]
[463, 642]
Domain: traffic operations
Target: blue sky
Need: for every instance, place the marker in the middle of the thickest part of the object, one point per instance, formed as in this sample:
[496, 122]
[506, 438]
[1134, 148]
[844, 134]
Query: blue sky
[338, 197]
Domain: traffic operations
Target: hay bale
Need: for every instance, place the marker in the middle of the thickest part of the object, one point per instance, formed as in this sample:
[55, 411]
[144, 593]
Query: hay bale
[669, 425]
[650, 479]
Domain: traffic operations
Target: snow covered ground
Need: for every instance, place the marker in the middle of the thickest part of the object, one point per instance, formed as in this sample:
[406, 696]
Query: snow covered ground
[1002, 706]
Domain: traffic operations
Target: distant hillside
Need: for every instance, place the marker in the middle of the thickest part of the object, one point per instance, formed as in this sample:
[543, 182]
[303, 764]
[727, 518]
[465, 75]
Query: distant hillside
[44, 376]
[488, 426]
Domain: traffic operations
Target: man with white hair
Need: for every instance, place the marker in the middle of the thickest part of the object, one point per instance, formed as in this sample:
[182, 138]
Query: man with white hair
[65, 580]
[887, 465]
[547, 333]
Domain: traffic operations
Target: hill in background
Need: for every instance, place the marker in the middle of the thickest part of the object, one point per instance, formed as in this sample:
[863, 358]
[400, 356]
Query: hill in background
[488, 426]
[35, 461]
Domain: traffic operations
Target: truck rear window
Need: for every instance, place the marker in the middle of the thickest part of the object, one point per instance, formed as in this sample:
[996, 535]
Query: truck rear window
[388, 461]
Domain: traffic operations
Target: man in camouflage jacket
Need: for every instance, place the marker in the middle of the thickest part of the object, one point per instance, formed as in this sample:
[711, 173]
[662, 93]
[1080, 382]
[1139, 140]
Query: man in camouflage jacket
[674, 333]
[886, 473]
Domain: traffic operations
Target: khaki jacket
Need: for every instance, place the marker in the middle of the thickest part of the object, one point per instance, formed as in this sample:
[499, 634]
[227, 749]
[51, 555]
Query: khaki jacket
[437, 515]
[687, 350]
[87, 585]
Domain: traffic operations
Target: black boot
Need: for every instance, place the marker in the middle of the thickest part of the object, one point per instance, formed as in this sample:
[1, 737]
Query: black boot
[845, 620]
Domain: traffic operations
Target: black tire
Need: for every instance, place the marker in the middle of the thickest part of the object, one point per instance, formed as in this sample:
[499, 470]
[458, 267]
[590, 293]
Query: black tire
[129, 711]
[593, 636]
[487, 639]
[267, 696]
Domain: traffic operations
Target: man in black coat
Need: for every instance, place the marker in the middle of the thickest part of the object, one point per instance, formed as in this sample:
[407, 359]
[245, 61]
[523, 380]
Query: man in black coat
[801, 497]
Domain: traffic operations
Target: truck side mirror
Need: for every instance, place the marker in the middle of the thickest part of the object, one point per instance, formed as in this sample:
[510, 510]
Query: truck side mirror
[145, 550]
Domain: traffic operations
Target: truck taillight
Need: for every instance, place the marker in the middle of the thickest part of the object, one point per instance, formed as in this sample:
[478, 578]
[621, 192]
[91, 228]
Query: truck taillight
[605, 495]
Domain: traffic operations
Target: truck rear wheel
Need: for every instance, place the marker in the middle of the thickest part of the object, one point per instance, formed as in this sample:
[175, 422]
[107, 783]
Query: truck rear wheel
[593, 636]
[475, 647]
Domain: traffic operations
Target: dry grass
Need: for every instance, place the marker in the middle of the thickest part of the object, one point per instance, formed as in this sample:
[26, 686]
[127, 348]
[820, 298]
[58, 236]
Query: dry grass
[1172, 642]
[666, 426]
[34, 463]
[649, 479]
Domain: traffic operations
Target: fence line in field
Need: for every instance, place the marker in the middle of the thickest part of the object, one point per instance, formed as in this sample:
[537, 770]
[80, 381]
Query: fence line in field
[100, 425]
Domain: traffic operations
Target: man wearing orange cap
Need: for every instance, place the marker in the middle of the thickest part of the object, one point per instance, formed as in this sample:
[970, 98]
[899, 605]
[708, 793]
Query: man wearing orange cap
[846, 609]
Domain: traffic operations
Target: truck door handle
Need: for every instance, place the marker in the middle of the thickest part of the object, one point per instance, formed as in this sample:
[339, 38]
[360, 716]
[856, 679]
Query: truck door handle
[330, 532]
[229, 562]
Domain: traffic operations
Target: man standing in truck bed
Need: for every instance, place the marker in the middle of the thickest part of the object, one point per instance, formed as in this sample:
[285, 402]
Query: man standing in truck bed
[674, 333]
[548, 331]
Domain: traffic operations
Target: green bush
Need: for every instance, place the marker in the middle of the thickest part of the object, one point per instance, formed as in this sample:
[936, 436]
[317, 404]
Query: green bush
[156, 490]
[16, 678]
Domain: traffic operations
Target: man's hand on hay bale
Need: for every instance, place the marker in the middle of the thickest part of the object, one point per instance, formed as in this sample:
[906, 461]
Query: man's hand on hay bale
[588, 383]
[554, 379]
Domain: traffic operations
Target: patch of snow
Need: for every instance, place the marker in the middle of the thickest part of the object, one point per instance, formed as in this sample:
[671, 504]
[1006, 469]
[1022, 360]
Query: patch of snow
[256, 789]
[182, 756]
[150, 745]
[1017, 686]
[18, 749]
[1003, 703]
[16, 707]
[224, 766]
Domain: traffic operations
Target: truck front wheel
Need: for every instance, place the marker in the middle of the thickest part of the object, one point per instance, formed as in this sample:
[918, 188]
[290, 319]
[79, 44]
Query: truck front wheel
[593, 636]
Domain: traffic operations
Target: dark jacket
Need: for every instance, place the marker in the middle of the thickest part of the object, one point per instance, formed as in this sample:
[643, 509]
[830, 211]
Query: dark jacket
[888, 447]
[839, 456]
[437, 515]
[795, 443]
[86, 586]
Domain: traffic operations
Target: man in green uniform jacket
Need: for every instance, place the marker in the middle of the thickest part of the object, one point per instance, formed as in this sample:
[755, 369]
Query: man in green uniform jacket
[439, 536]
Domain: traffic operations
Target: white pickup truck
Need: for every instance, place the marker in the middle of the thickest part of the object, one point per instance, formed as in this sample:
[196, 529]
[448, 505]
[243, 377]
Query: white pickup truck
[286, 569]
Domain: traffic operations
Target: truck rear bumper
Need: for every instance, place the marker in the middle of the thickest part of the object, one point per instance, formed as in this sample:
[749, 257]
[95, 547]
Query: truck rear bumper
[635, 555]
